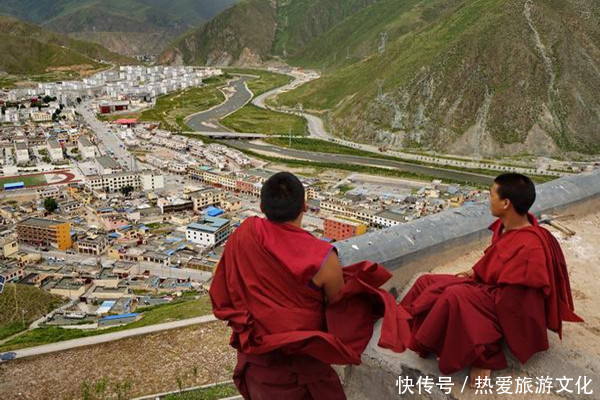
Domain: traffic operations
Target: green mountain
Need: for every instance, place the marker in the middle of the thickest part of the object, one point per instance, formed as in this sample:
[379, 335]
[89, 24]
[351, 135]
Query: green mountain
[125, 26]
[484, 77]
[29, 49]
[254, 31]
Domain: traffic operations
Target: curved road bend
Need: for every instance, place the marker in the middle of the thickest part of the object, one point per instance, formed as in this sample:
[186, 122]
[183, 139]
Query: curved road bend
[109, 337]
[367, 161]
[208, 121]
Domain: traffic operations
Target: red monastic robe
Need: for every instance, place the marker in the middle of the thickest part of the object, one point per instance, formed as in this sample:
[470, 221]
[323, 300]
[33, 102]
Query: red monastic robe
[520, 290]
[285, 336]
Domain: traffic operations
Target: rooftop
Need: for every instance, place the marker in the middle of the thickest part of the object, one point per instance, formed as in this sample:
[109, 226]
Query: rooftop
[85, 142]
[209, 224]
[54, 144]
[41, 222]
[108, 162]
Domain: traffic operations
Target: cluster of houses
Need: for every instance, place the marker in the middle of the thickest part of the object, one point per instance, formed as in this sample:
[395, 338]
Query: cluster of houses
[133, 82]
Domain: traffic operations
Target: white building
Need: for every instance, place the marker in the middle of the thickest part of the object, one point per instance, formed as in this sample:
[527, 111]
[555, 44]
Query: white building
[41, 116]
[145, 180]
[12, 115]
[209, 231]
[55, 150]
[151, 181]
[21, 153]
[388, 218]
[107, 165]
[86, 148]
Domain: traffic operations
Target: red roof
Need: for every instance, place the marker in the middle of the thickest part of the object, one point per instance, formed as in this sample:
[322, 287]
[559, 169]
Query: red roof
[126, 121]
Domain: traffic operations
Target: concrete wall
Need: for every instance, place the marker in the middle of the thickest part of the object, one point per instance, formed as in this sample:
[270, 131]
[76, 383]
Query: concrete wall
[420, 245]
[423, 244]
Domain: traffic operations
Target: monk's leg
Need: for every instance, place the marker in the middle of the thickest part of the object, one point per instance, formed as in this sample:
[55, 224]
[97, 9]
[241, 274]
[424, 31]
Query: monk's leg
[419, 300]
[462, 329]
[421, 284]
[289, 377]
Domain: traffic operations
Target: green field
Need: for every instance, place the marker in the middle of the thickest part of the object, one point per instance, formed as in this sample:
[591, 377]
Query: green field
[252, 119]
[172, 109]
[322, 146]
[175, 311]
[266, 80]
[27, 180]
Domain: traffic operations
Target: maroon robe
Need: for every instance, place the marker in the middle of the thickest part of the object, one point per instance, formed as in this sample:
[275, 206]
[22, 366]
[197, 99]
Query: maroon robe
[285, 336]
[519, 290]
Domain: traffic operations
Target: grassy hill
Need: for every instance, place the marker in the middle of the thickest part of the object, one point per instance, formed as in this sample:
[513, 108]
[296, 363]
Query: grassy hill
[125, 26]
[29, 49]
[486, 77]
[253, 31]
[480, 76]
[242, 34]
[23, 303]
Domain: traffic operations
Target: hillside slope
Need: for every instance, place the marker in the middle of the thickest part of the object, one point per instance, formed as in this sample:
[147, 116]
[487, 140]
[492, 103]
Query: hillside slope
[23, 303]
[254, 31]
[127, 26]
[484, 77]
[28, 49]
[487, 77]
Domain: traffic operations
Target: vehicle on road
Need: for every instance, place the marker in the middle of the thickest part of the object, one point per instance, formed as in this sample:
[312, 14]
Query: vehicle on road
[11, 355]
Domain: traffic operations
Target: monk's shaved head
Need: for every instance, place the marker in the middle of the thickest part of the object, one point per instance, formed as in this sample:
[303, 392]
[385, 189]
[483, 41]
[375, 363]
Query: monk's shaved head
[282, 197]
[517, 188]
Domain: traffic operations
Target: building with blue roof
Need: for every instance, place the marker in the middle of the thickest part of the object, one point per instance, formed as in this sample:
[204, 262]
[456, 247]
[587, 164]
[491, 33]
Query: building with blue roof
[213, 211]
[208, 231]
[14, 185]
[121, 319]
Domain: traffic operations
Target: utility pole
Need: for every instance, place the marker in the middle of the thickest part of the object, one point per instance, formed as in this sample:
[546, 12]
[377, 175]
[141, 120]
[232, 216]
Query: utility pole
[290, 136]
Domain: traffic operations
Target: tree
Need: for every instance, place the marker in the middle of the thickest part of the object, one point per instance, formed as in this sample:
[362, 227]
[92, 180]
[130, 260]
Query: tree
[79, 100]
[50, 204]
[126, 190]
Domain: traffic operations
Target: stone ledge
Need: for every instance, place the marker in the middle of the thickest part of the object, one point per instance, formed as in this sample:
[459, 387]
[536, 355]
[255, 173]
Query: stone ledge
[420, 245]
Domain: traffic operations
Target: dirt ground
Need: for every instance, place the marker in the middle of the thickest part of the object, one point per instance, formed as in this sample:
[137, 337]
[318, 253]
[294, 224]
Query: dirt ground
[149, 364]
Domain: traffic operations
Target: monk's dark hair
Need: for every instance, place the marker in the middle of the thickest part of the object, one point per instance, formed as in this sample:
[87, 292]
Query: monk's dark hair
[517, 188]
[282, 197]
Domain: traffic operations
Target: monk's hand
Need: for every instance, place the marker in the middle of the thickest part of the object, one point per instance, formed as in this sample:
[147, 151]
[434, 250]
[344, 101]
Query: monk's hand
[466, 274]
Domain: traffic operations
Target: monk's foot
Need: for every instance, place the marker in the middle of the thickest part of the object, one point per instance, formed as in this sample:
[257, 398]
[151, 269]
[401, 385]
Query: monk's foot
[480, 373]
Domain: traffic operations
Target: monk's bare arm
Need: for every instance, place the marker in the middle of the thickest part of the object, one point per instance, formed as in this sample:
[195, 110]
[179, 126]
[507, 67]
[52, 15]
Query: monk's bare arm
[330, 276]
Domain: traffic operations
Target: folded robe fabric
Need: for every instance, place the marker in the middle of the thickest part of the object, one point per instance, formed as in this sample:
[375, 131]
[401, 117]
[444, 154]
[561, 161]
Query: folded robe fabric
[520, 289]
[262, 289]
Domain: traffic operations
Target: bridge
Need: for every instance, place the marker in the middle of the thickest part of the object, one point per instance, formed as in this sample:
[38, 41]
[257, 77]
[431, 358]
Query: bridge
[232, 135]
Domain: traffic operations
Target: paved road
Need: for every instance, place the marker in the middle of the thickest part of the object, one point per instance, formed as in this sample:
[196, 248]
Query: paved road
[109, 337]
[317, 130]
[368, 161]
[208, 121]
[109, 140]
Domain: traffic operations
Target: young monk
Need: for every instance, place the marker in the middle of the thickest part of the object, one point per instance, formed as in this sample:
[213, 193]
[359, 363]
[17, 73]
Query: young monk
[292, 309]
[514, 293]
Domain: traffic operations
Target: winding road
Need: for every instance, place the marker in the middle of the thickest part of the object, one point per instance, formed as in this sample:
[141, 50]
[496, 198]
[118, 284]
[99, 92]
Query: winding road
[207, 122]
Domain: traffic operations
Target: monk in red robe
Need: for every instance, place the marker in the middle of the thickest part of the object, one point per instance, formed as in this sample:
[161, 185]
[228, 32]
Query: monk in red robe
[516, 292]
[292, 308]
